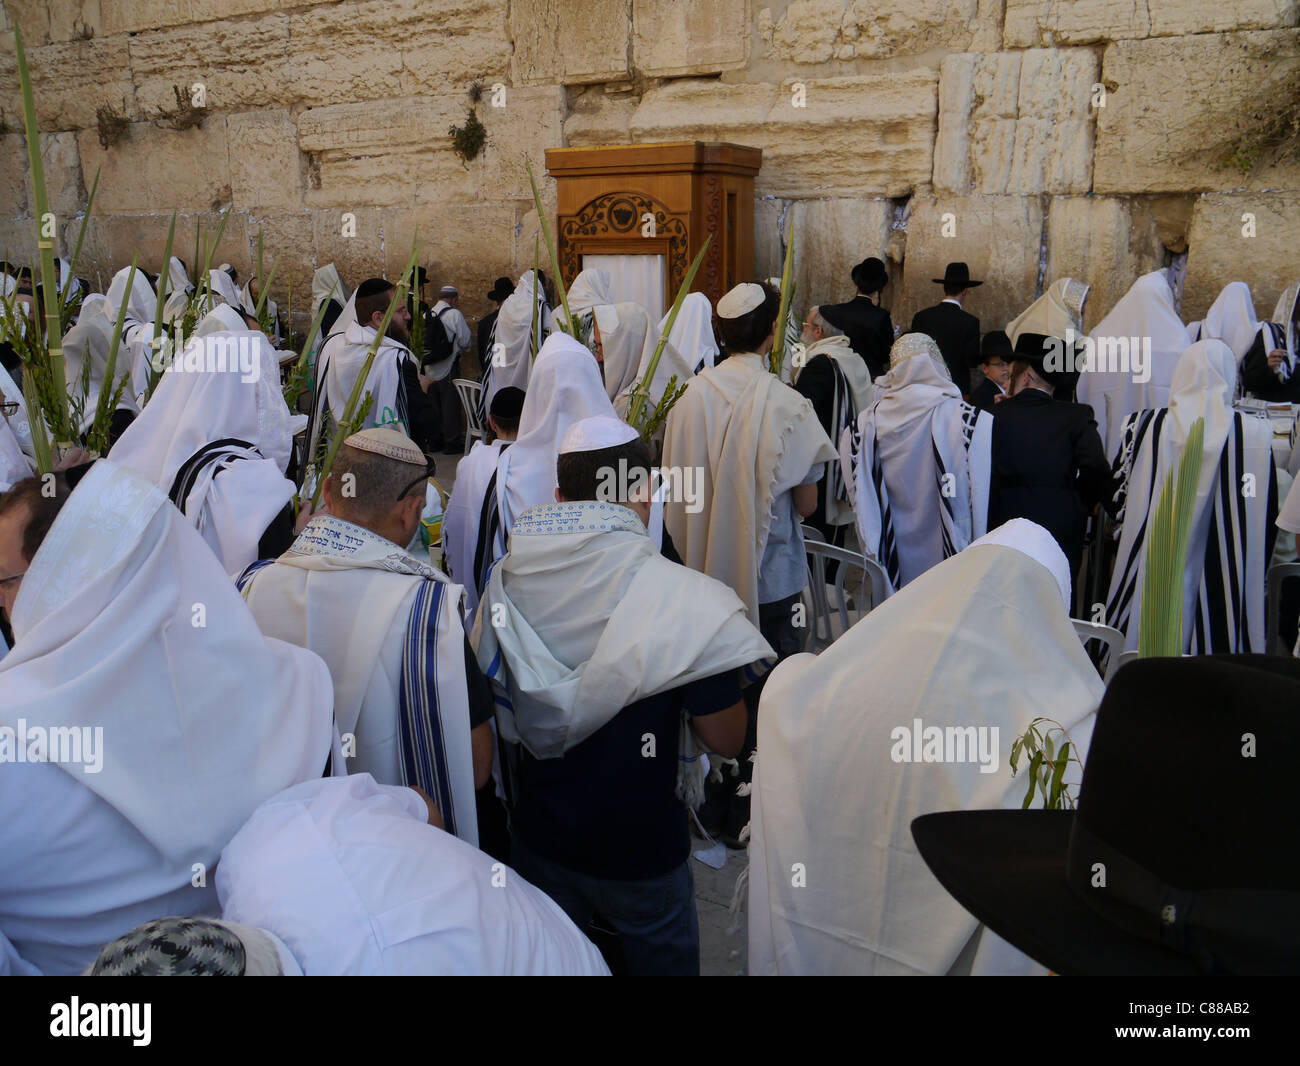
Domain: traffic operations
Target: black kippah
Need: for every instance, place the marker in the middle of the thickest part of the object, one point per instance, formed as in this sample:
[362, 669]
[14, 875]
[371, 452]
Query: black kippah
[373, 287]
[508, 403]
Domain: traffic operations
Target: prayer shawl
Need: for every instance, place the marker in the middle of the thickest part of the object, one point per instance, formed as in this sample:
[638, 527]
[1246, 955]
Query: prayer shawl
[1145, 311]
[917, 467]
[1059, 309]
[568, 636]
[1231, 319]
[14, 465]
[18, 422]
[692, 336]
[633, 318]
[1280, 333]
[137, 329]
[350, 877]
[1223, 582]
[248, 304]
[976, 648]
[565, 388]
[345, 354]
[388, 627]
[853, 393]
[201, 722]
[85, 343]
[222, 287]
[523, 316]
[327, 285]
[590, 290]
[746, 437]
[330, 347]
[625, 349]
[217, 445]
[470, 556]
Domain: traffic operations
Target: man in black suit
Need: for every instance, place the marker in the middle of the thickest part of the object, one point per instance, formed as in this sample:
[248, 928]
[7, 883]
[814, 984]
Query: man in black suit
[503, 288]
[957, 332]
[866, 323]
[995, 365]
[1048, 461]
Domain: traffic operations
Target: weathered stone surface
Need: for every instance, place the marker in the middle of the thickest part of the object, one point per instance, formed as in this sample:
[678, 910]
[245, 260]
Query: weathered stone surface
[999, 237]
[453, 43]
[818, 31]
[1045, 22]
[830, 236]
[211, 10]
[1174, 105]
[597, 117]
[43, 22]
[569, 41]
[18, 240]
[358, 256]
[1219, 250]
[291, 236]
[112, 240]
[857, 136]
[1107, 242]
[1172, 216]
[154, 169]
[265, 170]
[131, 16]
[769, 250]
[676, 37]
[1016, 122]
[61, 162]
[14, 198]
[70, 80]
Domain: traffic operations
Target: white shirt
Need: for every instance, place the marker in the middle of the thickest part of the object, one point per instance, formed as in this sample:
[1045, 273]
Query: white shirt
[457, 331]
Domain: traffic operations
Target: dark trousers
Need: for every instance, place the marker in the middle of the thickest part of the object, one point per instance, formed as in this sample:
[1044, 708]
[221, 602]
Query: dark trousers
[658, 928]
[453, 423]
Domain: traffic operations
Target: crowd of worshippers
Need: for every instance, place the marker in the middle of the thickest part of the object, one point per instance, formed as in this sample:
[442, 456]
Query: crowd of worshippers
[407, 732]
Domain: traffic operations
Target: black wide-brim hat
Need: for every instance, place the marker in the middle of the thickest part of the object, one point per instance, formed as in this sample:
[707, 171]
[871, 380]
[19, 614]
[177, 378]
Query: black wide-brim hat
[1034, 349]
[996, 342]
[869, 275]
[1195, 839]
[501, 288]
[957, 274]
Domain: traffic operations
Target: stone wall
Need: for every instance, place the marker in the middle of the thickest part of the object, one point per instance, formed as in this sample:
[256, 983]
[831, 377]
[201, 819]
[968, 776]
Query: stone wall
[1031, 138]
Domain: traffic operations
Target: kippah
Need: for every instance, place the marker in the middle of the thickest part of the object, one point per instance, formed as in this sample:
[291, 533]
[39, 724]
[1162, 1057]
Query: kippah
[592, 434]
[910, 344]
[373, 287]
[834, 315]
[741, 300]
[381, 440]
[173, 947]
[448, 290]
[508, 403]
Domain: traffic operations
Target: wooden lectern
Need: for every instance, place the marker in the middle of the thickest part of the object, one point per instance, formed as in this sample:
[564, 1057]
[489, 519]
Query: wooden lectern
[692, 190]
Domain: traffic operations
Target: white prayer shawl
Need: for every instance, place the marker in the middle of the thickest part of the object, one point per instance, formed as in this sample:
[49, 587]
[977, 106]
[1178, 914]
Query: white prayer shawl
[468, 563]
[327, 285]
[179, 278]
[137, 329]
[222, 287]
[200, 724]
[748, 438]
[565, 388]
[350, 876]
[523, 315]
[218, 445]
[1280, 332]
[1223, 581]
[14, 465]
[626, 349]
[1231, 319]
[590, 290]
[347, 355]
[18, 422]
[248, 304]
[1145, 311]
[854, 393]
[87, 341]
[568, 636]
[692, 336]
[919, 463]
[672, 364]
[348, 595]
[1059, 309]
[982, 642]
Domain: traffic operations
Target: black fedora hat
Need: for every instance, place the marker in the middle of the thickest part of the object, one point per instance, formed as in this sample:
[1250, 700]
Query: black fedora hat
[501, 288]
[869, 275]
[1038, 349]
[1180, 858]
[957, 274]
[995, 343]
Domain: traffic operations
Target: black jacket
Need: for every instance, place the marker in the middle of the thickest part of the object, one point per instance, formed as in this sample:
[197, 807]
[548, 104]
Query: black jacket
[957, 333]
[485, 336]
[1049, 466]
[870, 331]
[985, 395]
[816, 381]
[1261, 382]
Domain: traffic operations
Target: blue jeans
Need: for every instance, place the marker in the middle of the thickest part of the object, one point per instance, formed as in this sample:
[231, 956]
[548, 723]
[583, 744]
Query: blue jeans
[655, 919]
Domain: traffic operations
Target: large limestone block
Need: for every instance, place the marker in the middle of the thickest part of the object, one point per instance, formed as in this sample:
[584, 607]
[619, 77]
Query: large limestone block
[676, 37]
[830, 236]
[132, 16]
[243, 67]
[1016, 122]
[61, 161]
[1107, 242]
[265, 171]
[569, 41]
[1044, 22]
[999, 237]
[354, 244]
[289, 235]
[453, 43]
[819, 31]
[597, 117]
[210, 10]
[14, 194]
[111, 241]
[1221, 248]
[770, 220]
[1175, 104]
[531, 122]
[70, 80]
[18, 240]
[44, 22]
[870, 135]
[160, 170]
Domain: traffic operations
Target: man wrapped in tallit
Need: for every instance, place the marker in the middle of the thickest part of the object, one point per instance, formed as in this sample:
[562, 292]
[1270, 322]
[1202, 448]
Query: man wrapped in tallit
[522, 323]
[972, 651]
[388, 626]
[1111, 387]
[692, 334]
[126, 624]
[1232, 530]
[1270, 370]
[917, 465]
[1057, 313]
[1231, 319]
[218, 441]
[85, 354]
[248, 297]
[137, 352]
[752, 442]
[179, 287]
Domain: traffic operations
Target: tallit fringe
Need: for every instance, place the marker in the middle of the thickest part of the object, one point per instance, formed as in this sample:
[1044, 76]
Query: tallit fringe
[690, 769]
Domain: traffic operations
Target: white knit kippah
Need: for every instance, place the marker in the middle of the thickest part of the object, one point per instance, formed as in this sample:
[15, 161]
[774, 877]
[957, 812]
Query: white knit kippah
[741, 300]
[592, 434]
[389, 442]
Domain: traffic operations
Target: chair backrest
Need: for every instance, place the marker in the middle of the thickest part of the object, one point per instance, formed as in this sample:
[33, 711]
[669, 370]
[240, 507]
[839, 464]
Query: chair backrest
[1112, 642]
[1273, 598]
[468, 391]
[826, 597]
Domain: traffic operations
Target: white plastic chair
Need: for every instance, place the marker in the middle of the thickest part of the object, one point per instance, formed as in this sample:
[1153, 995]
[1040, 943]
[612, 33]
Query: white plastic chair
[468, 392]
[1112, 640]
[823, 596]
[1273, 624]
